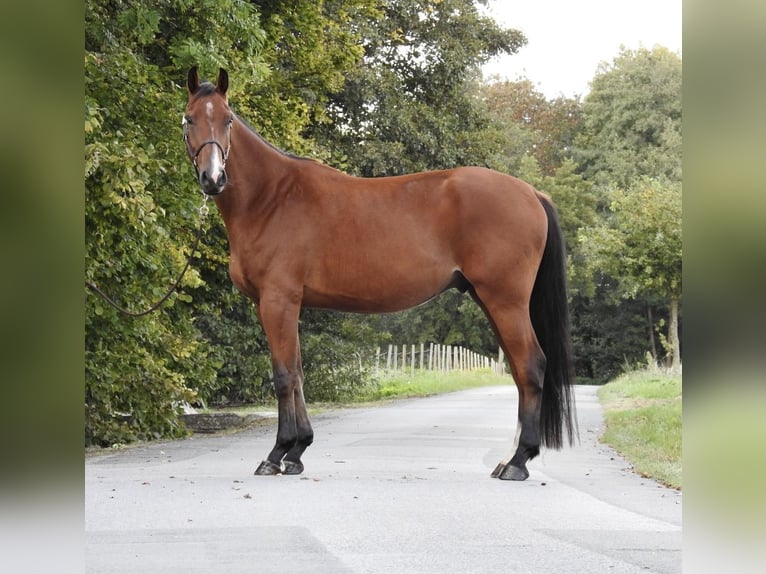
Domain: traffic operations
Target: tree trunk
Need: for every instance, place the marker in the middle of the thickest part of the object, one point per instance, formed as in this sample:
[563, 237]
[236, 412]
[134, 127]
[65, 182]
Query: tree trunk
[675, 347]
[652, 343]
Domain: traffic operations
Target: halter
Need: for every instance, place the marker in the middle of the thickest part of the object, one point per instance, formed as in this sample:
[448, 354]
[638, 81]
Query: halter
[195, 155]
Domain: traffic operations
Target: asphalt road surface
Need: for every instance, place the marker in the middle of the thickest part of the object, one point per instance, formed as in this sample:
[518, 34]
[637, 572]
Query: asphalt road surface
[400, 488]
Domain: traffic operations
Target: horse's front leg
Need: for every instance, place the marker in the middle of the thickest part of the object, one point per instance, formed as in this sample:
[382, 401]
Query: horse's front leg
[304, 433]
[279, 318]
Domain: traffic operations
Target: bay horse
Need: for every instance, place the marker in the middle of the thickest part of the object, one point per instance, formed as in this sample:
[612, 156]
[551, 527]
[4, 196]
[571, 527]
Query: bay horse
[303, 234]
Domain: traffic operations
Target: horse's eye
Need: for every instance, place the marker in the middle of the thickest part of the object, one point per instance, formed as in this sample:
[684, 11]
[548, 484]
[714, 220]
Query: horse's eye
[187, 120]
[230, 121]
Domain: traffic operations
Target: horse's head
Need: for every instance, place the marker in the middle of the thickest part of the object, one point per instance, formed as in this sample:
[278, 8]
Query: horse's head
[207, 130]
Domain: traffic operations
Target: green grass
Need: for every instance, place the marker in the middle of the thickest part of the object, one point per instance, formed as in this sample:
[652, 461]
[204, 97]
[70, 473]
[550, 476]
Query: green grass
[426, 383]
[422, 384]
[642, 411]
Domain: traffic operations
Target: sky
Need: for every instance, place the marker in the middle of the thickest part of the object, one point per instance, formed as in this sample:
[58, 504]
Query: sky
[567, 39]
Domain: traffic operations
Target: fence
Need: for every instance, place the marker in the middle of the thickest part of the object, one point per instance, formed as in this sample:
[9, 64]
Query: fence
[433, 357]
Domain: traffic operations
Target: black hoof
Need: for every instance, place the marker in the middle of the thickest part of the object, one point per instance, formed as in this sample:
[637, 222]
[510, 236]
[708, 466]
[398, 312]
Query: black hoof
[267, 468]
[292, 467]
[513, 473]
[498, 469]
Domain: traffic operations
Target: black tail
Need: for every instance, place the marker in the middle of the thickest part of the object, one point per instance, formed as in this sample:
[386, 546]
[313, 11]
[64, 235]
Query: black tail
[549, 312]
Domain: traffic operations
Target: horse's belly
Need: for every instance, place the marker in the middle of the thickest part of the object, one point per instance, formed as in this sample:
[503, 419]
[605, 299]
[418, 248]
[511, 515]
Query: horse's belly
[377, 289]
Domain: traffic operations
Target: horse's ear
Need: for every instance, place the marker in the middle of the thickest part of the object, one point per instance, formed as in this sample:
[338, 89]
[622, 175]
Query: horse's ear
[192, 81]
[222, 83]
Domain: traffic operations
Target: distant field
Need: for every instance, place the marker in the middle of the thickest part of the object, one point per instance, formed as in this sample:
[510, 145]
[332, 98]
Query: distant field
[642, 411]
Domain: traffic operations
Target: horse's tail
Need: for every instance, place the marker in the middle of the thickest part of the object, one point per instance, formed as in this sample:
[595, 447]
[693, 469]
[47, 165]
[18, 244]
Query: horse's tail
[549, 312]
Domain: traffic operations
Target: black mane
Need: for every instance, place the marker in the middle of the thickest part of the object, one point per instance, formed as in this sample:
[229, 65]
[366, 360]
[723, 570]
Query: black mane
[268, 143]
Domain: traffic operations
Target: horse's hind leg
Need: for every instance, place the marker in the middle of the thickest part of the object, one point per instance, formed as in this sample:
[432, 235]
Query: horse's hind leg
[516, 335]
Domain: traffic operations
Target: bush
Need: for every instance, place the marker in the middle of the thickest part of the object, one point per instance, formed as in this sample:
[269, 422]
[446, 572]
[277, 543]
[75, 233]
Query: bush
[337, 350]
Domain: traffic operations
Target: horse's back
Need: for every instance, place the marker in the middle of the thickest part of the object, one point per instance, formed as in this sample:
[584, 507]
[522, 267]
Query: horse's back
[449, 210]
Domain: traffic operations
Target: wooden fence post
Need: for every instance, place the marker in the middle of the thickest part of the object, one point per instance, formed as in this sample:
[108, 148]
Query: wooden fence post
[431, 357]
[396, 358]
[441, 358]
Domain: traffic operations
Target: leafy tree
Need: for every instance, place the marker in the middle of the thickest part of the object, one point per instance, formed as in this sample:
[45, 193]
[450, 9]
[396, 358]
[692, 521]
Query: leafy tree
[140, 215]
[610, 334]
[630, 148]
[574, 196]
[542, 128]
[640, 243]
[632, 119]
[338, 353]
[409, 106]
[310, 47]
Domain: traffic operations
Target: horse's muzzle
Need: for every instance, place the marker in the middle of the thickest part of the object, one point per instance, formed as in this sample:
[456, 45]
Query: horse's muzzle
[211, 186]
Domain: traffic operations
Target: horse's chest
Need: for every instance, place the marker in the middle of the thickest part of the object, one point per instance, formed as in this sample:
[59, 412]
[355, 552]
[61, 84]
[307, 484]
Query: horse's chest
[244, 279]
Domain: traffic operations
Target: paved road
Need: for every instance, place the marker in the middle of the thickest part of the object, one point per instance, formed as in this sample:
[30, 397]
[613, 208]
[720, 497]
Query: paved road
[402, 488]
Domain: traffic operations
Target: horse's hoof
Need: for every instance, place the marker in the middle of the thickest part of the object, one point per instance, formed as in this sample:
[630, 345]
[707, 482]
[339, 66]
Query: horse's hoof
[292, 467]
[498, 469]
[267, 468]
[513, 473]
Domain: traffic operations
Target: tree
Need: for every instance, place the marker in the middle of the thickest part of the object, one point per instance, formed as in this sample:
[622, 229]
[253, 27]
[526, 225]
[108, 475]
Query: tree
[632, 119]
[573, 195]
[640, 243]
[542, 128]
[630, 148]
[408, 107]
[140, 216]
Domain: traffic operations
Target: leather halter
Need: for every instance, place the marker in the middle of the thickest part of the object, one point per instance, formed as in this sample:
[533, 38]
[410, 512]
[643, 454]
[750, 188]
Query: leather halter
[195, 154]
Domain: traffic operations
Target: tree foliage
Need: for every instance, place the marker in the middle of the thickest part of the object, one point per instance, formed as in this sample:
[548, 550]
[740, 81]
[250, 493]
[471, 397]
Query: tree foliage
[407, 106]
[537, 126]
[630, 147]
[639, 243]
[140, 214]
[632, 119]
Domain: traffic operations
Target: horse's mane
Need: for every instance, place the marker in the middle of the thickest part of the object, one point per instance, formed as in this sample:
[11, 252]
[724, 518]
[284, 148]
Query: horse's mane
[271, 145]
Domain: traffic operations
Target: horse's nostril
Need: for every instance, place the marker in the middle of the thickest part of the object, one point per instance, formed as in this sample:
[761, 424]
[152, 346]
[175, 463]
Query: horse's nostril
[222, 179]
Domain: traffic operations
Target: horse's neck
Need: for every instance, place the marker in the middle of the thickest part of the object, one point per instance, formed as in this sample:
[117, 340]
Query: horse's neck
[254, 168]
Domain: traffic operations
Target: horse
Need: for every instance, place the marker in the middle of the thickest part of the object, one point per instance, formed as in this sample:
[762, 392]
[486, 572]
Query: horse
[303, 234]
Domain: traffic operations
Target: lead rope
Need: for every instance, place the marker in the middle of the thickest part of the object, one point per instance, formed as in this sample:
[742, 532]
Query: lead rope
[203, 211]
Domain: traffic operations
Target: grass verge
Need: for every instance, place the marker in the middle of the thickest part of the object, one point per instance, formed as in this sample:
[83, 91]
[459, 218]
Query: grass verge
[426, 383]
[421, 384]
[642, 411]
